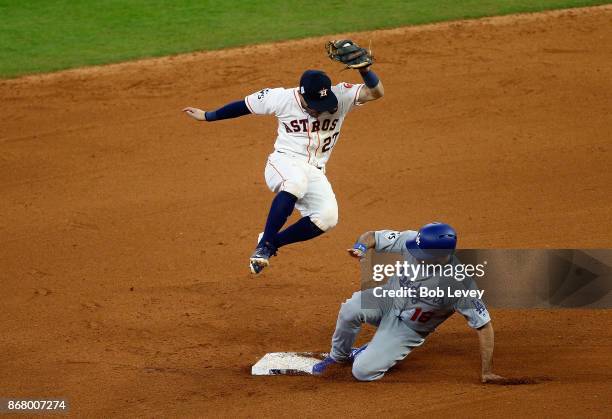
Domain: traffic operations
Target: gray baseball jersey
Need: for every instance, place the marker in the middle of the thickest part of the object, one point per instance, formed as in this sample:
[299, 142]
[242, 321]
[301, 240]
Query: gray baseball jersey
[402, 323]
[425, 311]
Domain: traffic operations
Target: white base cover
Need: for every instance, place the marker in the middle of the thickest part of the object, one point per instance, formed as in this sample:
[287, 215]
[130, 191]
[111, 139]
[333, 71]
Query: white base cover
[287, 363]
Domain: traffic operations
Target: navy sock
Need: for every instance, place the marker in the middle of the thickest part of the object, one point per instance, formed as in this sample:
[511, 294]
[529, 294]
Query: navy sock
[303, 229]
[281, 209]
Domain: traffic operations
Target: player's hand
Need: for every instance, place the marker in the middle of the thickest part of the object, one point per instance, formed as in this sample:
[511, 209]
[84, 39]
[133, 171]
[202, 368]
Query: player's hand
[355, 253]
[491, 378]
[195, 113]
[358, 251]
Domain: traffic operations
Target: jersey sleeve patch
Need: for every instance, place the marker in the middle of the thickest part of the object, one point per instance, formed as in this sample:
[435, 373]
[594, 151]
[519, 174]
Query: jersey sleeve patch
[474, 311]
[263, 102]
[391, 235]
[479, 307]
[262, 93]
[392, 240]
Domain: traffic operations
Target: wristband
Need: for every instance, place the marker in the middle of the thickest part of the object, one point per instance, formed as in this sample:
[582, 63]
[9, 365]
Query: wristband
[361, 247]
[370, 78]
[210, 116]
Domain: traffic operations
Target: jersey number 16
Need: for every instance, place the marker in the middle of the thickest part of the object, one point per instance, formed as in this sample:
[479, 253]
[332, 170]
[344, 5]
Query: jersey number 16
[421, 316]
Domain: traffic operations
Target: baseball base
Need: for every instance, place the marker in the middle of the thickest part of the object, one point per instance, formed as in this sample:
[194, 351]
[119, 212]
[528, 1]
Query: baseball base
[287, 363]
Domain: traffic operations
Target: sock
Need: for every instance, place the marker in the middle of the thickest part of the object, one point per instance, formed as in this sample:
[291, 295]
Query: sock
[281, 209]
[302, 230]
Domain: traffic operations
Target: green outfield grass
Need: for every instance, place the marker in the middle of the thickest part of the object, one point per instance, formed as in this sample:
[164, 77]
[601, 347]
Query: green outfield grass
[48, 35]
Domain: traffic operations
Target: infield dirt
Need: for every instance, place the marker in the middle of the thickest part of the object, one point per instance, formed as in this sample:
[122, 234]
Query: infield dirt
[126, 227]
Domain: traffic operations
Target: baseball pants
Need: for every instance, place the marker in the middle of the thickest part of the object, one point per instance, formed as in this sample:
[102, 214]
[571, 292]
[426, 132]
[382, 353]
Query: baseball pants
[391, 343]
[315, 196]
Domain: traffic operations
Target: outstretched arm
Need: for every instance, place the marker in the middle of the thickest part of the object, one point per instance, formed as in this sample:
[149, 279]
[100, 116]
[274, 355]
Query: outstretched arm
[486, 339]
[373, 88]
[353, 56]
[231, 110]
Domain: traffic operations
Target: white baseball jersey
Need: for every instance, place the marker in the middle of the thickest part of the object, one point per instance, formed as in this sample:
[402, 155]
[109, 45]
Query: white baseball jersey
[299, 133]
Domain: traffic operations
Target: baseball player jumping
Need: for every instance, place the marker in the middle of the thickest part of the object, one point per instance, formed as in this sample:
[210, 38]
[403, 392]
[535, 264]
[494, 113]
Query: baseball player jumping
[310, 117]
[403, 322]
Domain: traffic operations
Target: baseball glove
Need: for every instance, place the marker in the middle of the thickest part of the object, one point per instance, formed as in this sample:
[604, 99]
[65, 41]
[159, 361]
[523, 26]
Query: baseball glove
[349, 53]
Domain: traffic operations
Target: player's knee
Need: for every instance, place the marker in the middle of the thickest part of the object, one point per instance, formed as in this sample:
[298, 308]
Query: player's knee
[326, 218]
[361, 372]
[296, 187]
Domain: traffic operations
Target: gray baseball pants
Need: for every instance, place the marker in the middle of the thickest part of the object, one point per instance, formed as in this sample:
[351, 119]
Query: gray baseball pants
[392, 341]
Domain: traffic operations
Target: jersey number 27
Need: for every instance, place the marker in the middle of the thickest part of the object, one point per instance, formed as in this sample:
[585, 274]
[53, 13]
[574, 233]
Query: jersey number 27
[329, 142]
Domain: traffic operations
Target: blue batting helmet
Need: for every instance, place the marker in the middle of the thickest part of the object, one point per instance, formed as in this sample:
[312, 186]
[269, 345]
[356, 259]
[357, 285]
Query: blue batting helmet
[433, 240]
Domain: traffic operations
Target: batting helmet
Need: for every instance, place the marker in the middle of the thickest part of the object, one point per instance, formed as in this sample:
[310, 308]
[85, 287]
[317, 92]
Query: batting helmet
[432, 241]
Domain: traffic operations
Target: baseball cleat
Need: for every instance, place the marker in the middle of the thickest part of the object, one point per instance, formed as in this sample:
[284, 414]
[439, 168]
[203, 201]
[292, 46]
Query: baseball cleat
[256, 266]
[260, 258]
[356, 351]
[320, 367]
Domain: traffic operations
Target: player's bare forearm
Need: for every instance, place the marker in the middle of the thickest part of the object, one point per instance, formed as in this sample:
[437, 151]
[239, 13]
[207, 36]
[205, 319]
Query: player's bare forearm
[368, 239]
[376, 92]
[486, 339]
[373, 88]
